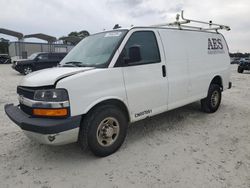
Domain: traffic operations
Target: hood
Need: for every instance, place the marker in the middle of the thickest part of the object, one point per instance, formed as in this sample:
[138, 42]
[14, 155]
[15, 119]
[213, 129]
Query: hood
[49, 76]
[22, 61]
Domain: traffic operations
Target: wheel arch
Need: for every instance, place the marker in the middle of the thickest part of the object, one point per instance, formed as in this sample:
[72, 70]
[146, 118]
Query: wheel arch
[217, 80]
[27, 65]
[112, 101]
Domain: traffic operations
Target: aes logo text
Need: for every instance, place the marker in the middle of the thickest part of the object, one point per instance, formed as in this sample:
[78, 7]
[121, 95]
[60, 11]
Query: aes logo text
[214, 44]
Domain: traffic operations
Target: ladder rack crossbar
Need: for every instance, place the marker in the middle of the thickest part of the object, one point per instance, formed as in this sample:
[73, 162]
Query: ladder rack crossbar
[184, 21]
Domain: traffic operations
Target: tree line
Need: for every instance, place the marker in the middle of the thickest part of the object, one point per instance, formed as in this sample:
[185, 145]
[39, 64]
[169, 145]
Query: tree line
[240, 55]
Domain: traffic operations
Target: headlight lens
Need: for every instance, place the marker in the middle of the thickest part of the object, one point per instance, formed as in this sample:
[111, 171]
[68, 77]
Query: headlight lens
[51, 95]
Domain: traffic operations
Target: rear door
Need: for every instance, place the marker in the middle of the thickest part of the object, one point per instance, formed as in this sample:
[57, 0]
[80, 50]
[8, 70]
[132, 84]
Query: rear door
[145, 80]
[175, 47]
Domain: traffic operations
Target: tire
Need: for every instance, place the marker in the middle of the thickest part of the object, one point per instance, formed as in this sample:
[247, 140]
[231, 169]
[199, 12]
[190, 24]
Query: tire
[240, 70]
[27, 70]
[212, 102]
[103, 130]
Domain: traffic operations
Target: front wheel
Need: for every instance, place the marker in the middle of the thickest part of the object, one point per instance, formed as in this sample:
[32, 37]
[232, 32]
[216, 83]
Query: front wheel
[103, 130]
[212, 102]
[27, 70]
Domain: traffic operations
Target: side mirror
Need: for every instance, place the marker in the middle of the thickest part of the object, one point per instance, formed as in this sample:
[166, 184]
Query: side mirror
[134, 54]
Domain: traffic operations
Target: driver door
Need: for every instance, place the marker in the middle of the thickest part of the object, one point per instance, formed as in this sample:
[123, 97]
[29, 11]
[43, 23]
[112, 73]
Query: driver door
[145, 80]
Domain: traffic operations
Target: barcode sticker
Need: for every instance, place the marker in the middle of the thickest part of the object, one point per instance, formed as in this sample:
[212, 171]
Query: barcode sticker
[113, 34]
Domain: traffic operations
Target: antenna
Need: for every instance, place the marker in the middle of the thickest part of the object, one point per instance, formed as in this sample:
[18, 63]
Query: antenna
[181, 24]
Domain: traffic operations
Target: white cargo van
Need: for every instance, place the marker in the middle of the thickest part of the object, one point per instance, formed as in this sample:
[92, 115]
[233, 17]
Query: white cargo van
[113, 78]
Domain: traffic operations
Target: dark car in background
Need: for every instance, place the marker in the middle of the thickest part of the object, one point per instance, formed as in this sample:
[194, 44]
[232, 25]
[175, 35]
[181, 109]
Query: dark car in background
[5, 59]
[235, 60]
[38, 61]
[244, 65]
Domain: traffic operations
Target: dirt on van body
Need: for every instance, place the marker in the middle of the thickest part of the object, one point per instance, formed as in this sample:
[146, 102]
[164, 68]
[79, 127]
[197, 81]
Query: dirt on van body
[181, 148]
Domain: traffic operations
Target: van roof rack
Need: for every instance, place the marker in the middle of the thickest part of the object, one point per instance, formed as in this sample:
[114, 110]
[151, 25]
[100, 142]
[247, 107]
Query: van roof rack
[181, 24]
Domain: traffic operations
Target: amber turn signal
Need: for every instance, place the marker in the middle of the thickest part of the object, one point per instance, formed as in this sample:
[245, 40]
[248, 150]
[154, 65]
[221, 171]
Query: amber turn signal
[50, 112]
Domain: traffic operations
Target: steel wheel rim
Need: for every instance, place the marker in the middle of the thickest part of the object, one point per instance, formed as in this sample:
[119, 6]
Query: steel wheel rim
[108, 131]
[215, 98]
[27, 70]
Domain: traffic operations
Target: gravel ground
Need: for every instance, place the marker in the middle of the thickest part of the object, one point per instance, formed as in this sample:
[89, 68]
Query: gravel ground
[181, 148]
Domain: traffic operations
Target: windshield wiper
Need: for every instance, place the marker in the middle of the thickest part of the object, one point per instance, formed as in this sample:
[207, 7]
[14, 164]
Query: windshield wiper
[73, 64]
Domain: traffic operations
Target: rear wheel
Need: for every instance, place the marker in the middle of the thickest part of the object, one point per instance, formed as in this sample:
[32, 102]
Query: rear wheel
[240, 70]
[27, 70]
[212, 102]
[103, 130]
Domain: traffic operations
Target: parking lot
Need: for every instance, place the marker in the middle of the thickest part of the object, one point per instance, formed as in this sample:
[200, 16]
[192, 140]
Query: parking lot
[181, 148]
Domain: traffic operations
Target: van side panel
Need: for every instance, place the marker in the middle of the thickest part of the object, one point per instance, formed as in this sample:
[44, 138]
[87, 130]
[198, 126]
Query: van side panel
[193, 59]
[207, 58]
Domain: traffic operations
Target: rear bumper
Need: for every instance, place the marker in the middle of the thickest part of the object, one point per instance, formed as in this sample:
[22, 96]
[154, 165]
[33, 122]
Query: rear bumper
[45, 130]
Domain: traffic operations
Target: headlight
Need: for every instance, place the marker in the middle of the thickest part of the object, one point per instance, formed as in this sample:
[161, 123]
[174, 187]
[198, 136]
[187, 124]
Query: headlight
[51, 95]
[54, 103]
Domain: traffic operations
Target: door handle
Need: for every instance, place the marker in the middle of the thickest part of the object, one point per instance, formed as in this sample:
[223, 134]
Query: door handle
[163, 70]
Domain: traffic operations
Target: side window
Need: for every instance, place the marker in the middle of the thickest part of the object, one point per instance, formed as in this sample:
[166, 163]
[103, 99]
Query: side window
[61, 56]
[53, 56]
[147, 43]
[43, 57]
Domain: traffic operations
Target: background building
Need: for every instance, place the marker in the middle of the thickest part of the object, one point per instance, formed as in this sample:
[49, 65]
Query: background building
[22, 49]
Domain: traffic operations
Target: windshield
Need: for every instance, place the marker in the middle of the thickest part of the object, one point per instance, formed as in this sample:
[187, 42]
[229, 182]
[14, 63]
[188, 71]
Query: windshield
[32, 56]
[95, 50]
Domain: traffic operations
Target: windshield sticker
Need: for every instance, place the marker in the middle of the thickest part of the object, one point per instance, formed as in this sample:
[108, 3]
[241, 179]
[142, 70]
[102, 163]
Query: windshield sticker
[113, 34]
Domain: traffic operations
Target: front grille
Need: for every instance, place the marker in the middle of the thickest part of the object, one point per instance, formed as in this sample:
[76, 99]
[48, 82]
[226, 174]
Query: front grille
[28, 92]
[25, 92]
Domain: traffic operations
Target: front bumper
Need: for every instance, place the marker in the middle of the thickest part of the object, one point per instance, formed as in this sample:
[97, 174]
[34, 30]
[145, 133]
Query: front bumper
[61, 138]
[16, 67]
[45, 130]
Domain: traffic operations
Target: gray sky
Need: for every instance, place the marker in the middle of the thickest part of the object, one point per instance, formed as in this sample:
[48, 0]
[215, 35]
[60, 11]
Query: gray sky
[60, 17]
